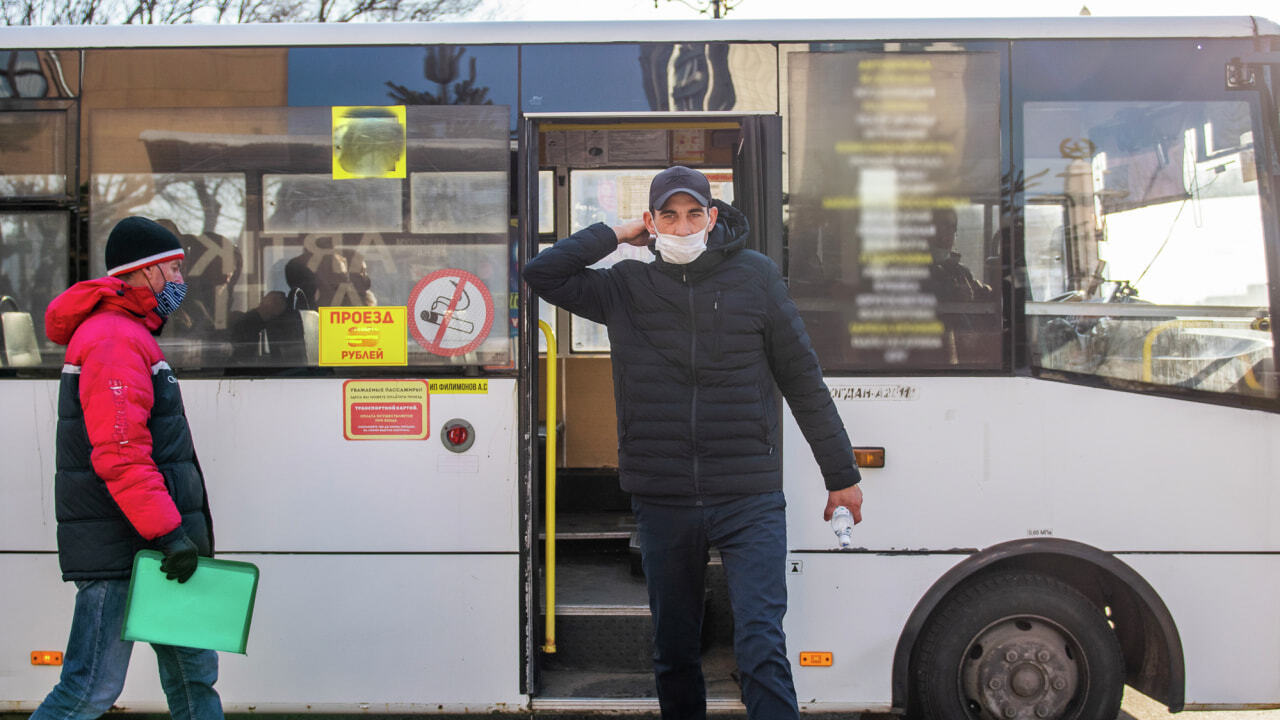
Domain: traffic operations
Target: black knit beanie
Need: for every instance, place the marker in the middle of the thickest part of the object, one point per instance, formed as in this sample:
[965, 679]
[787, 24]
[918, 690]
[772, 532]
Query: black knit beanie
[136, 242]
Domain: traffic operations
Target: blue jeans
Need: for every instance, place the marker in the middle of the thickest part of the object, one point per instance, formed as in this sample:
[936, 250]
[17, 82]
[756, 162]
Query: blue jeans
[751, 533]
[96, 661]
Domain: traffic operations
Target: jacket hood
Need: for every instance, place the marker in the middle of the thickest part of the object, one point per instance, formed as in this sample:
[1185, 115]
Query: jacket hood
[731, 231]
[70, 309]
[726, 238]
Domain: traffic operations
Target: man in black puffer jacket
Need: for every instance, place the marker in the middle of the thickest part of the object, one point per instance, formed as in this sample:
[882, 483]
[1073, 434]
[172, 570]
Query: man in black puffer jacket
[701, 340]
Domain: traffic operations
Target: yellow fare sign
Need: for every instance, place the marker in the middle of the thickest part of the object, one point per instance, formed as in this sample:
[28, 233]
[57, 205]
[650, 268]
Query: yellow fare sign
[364, 336]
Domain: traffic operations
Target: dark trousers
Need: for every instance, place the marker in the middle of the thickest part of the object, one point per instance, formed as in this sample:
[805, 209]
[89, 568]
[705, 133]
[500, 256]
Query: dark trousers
[751, 533]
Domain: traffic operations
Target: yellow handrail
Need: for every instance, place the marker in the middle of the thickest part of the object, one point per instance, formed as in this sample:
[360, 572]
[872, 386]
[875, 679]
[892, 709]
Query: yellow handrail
[549, 495]
[1149, 342]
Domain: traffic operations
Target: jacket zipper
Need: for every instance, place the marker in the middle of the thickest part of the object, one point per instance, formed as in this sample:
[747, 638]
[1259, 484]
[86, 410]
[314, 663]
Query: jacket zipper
[693, 373]
[717, 328]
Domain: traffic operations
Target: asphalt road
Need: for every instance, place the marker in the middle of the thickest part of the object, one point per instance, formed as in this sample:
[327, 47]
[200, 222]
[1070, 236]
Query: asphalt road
[1137, 706]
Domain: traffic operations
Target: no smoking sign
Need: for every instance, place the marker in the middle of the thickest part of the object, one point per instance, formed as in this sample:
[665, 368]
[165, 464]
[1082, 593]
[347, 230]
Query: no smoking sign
[450, 312]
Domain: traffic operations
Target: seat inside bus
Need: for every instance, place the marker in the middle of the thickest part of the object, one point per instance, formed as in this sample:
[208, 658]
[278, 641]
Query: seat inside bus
[21, 348]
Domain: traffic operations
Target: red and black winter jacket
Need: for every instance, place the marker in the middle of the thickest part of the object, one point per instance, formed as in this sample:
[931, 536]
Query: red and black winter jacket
[126, 467]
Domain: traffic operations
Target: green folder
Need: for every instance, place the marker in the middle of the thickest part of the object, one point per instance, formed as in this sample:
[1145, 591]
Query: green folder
[212, 610]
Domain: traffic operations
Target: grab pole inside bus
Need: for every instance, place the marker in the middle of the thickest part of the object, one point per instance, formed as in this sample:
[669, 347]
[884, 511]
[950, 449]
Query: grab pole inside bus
[549, 495]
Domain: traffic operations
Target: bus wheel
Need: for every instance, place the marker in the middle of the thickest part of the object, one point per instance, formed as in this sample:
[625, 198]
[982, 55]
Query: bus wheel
[1017, 645]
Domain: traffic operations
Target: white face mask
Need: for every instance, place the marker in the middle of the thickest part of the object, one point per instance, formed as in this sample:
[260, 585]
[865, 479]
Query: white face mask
[682, 249]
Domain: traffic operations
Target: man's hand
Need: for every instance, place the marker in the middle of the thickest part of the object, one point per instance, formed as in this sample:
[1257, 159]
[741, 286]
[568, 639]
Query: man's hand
[180, 555]
[632, 233]
[850, 497]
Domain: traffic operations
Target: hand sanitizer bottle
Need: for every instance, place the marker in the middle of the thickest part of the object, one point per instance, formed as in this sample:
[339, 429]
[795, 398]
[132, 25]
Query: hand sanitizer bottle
[842, 525]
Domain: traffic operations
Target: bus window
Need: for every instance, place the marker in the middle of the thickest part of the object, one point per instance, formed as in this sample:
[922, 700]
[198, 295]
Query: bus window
[33, 270]
[1145, 247]
[622, 78]
[318, 203]
[546, 203]
[39, 74]
[408, 75]
[274, 231]
[546, 313]
[546, 236]
[178, 197]
[35, 144]
[894, 208]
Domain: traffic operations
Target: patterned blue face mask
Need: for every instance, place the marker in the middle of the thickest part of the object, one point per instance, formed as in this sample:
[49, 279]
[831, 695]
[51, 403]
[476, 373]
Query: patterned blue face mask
[170, 297]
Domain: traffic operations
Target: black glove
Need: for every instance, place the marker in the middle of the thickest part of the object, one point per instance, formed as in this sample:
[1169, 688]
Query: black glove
[180, 555]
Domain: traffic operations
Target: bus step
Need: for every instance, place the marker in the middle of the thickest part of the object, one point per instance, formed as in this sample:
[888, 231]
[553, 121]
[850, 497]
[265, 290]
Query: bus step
[599, 525]
[585, 490]
[597, 580]
[602, 615]
[612, 643]
[565, 688]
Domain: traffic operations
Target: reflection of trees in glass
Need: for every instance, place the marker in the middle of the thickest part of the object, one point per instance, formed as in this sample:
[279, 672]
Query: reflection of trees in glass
[114, 197]
[197, 204]
[164, 12]
[441, 66]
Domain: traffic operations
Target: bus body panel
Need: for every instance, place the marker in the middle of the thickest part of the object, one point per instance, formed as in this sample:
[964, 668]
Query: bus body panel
[1061, 460]
[1228, 627]
[374, 555]
[270, 491]
[951, 446]
[26, 515]
[35, 615]
[852, 605]
[331, 633]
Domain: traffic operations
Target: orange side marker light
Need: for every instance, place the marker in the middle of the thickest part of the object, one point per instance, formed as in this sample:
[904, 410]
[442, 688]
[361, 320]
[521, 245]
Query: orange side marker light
[815, 659]
[46, 657]
[869, 457]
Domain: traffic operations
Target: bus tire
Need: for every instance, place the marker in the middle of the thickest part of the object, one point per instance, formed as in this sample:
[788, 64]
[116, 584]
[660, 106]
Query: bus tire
[1017, 645]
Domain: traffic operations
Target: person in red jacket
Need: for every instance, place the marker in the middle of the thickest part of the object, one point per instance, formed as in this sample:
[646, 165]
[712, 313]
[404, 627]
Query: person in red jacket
[127, 476]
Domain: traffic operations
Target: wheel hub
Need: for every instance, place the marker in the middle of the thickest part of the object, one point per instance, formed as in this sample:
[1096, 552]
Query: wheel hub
[1021, 668]
[1027, 680]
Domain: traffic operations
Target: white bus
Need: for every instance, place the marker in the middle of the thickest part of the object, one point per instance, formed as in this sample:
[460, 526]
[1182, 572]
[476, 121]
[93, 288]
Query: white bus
[1034, 257]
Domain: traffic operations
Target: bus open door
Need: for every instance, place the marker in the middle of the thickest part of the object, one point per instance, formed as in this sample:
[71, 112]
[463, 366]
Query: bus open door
[594, 644]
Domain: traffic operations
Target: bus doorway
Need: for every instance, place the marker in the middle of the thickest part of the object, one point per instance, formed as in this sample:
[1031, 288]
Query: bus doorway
[589, 618]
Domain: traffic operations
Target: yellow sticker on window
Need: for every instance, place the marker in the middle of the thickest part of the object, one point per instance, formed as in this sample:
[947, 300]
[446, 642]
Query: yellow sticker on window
[369, 141]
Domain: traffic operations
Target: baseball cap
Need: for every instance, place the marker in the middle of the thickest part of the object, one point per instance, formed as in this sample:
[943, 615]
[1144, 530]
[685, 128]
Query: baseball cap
[679, 179]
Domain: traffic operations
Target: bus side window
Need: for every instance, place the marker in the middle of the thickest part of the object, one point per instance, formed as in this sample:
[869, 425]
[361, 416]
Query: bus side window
[250, 191]
[33, 270]
[1145, 246]
[893, 249]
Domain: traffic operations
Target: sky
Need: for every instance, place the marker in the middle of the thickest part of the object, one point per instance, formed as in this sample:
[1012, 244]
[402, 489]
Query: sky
[754, 9]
